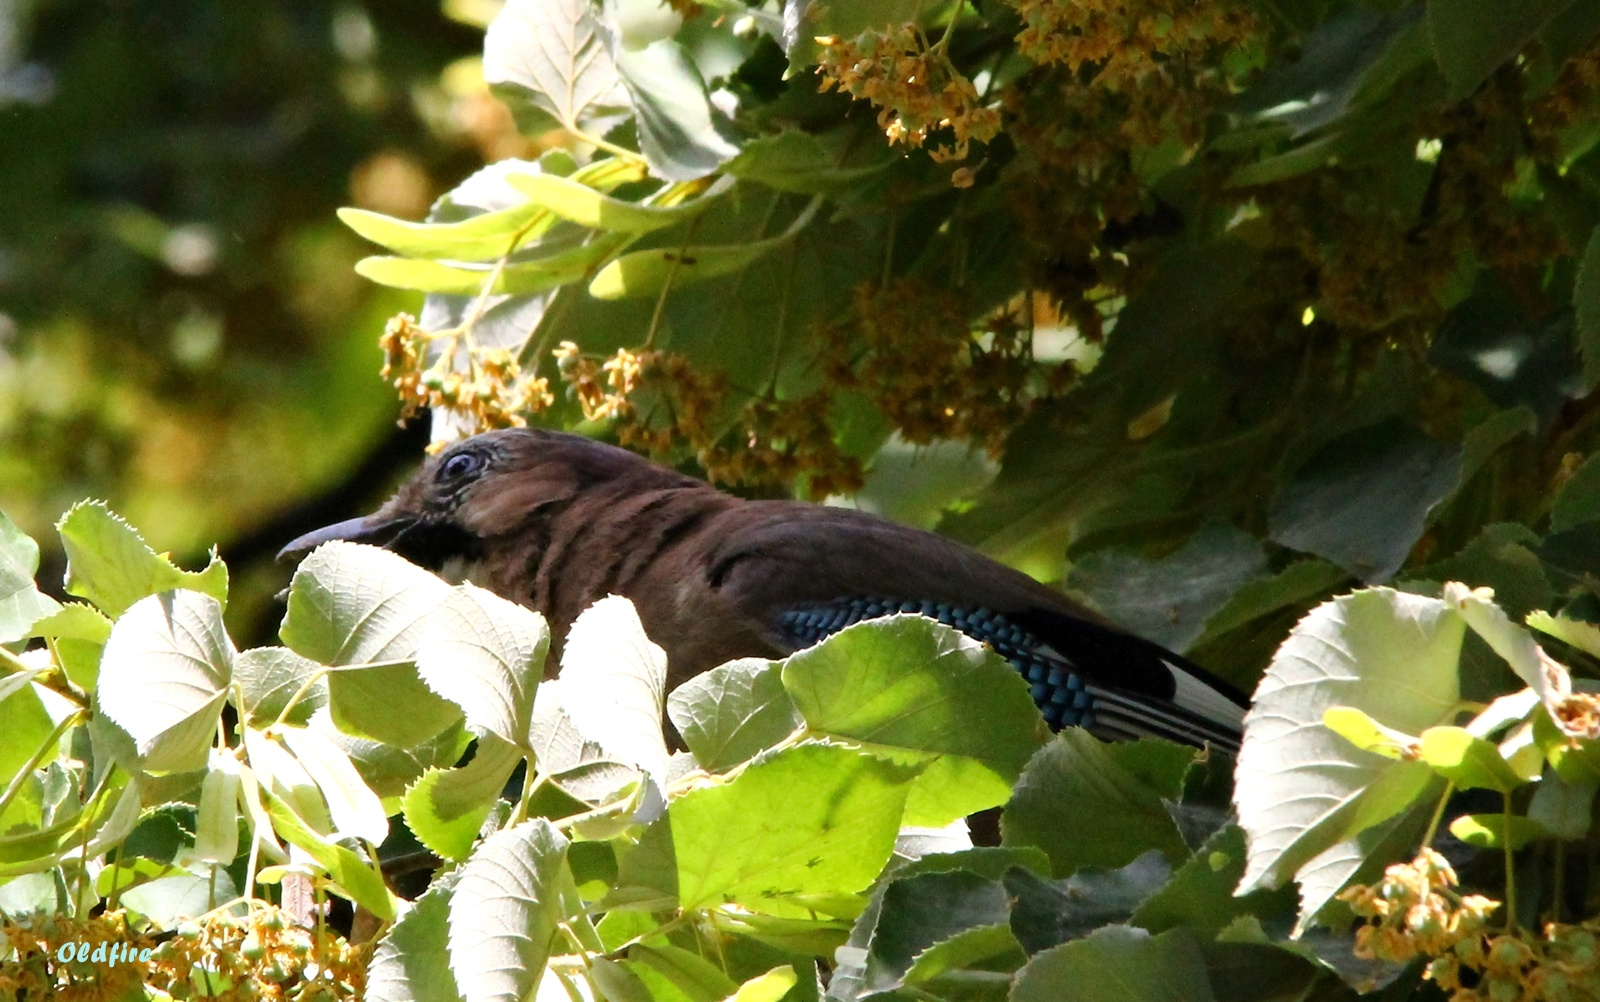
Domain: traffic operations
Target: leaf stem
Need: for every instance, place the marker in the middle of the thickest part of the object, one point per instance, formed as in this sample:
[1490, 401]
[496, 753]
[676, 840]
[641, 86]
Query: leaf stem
[605, 144]
[1438, 814]
[300, 693]
[1511, 879]
[666, 286]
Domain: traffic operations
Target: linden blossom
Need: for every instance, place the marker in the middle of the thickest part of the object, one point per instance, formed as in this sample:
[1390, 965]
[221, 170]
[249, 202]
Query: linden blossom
[70, 951]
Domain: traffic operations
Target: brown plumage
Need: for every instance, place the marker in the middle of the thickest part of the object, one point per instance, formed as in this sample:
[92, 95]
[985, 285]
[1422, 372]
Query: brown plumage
[556, 522]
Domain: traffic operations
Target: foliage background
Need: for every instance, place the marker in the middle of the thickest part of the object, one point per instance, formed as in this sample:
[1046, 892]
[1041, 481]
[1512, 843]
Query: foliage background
[1205, 311]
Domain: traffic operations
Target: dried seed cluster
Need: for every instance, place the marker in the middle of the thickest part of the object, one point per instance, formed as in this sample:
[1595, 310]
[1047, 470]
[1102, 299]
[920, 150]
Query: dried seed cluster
[583, 376]
[493, 391]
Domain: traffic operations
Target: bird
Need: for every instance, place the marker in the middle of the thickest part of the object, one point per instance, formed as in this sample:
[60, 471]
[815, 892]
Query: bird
[556, 521]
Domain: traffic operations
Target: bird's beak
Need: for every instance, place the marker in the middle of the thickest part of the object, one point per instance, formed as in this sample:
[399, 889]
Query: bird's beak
[369, 529]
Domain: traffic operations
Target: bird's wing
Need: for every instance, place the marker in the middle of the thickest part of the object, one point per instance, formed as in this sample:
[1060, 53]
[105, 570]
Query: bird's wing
[807, 572]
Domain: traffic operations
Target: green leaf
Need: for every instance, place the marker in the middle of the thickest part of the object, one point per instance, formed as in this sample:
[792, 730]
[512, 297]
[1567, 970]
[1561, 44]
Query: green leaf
[1469, 762]
[548, 61]
[388, 702]
[216, 835]
[412, 960]
[1300, 582]
[1493, 831]
[523, 278]
[1363, 499]
[21, 602]
[1170, 600]
[613, 685]
[1586, 300]
[1047, 912]
[1298, 785]
[730, 714]
[512, 894]
[485, 237]
[390, 769]
[74, 621]
[578, 203]
[1089, 803]
[25, 723]
[347, 870]
[1563, 809]
[769, 987]
[991, 948]
[1583, 635]
[364, 609]
[928, 908]
[354, 808]
[486, 655]
[1501, 557]
[620, 982]
[1367, 734]
[446, 808]
[909, 684]
[1118, 964]
[352, 604]
[1362, 856]
[168, 900]
[811, 820]
[1509, 640]
[1472, 38]
[679, 133]
[269, 677]
[796, 161]
[165, 676]
[1518, 360]
[1578, 499]
[1200, 895]
[282, 775]
[647, 272]
[697, 978]
[109, 564]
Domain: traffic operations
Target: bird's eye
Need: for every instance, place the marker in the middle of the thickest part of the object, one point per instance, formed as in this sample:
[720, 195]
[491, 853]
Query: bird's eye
[462, 464]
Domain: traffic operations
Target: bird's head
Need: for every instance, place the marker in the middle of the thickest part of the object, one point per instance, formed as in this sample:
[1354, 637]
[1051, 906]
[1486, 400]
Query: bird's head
[487, 486]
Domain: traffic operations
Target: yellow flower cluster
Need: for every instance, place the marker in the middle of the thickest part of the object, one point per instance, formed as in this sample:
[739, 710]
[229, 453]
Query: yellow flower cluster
[263, 956]
[1128, 41]
[915, 86]
[1414, 911]
[493, 392]
[621, 374]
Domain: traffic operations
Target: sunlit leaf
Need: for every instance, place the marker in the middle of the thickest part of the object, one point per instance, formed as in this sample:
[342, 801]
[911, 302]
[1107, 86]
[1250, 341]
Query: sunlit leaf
[21, 603]
[729, 714]
[1298, 784]
[505, 909]
[908, 684]
[486, 655]
[165, 675]
[109, 564]
[1495, 831]
[412, 961]
[549, 62]
[586, 206]
[614, 684]
[811, 820]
